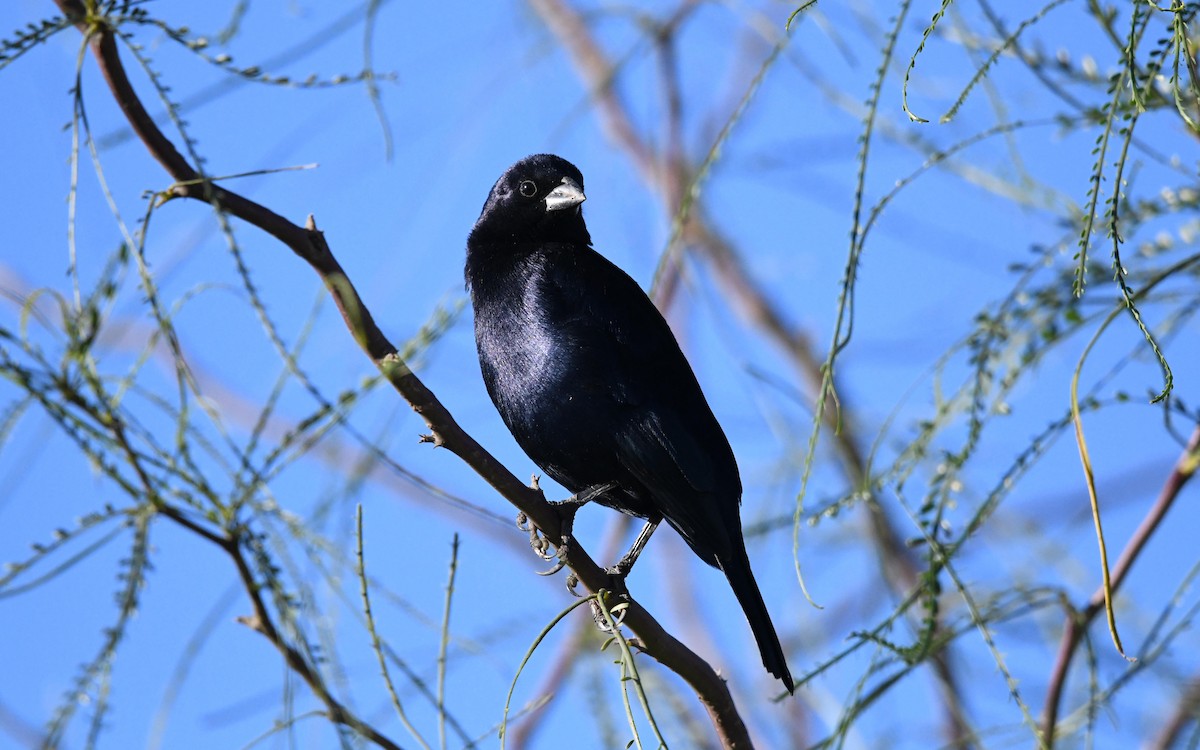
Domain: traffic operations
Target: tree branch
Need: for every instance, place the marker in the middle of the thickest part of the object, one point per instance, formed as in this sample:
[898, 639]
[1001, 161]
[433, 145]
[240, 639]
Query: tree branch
[310, 245]
[1078, 621]
[1186, 712]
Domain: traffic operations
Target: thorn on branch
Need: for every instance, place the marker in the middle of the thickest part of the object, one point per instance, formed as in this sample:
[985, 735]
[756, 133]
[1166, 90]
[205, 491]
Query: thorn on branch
[253, 622]
[317, 246]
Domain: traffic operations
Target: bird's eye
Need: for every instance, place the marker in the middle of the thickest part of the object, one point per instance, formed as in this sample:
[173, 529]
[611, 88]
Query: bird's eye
[528, 188]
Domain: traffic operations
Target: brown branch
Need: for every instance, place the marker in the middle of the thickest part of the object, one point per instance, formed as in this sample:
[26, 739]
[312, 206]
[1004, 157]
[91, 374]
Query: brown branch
[562, 664]
[1078, 621]
[1186, 712]
[310, 245]
[231, 544]
[261, 621]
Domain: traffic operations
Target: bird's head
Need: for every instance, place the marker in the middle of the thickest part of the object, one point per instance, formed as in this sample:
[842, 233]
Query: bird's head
[536, 200]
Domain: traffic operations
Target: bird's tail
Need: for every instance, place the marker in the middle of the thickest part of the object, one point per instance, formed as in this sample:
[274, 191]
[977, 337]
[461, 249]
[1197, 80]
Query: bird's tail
[741, 580]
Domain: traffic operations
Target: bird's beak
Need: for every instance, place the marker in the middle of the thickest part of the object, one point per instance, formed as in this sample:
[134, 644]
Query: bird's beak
[566, 195]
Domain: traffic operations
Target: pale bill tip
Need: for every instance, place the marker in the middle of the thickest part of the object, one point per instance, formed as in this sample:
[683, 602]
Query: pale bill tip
[565, 195]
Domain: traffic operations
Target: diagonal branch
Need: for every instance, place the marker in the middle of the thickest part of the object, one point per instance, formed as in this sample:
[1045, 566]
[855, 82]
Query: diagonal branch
[1185, 713]
[310, 245]
[1078, 621]
[231, 543]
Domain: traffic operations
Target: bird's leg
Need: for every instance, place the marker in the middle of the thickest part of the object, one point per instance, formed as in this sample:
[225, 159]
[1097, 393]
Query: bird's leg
[566, 510]
[625, 564]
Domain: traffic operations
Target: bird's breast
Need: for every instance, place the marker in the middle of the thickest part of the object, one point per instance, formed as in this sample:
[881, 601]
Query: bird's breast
[523, 358]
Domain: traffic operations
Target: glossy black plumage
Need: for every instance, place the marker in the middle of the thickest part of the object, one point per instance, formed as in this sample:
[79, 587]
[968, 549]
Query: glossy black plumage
[587, 375]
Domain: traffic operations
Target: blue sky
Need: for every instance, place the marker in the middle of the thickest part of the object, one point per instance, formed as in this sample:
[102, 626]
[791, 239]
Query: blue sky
[477, 87]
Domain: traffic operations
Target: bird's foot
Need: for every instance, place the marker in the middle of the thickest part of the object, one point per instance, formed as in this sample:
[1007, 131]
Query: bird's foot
[566, 510]
[620, 571]
[616, 581]
[537, 541]
[541, 544]
[614, 619]
[560, 553]
[616, 578]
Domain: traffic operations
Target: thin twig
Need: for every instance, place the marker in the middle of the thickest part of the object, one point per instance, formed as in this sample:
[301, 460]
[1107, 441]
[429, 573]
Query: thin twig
[262, 620]
[443, 645]
[1078, 621]
[376, 644]
[562, 664]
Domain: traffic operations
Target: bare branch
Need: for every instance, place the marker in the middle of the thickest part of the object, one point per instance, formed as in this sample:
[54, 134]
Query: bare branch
[309, 244]
[1078, 621]
[1186, 712]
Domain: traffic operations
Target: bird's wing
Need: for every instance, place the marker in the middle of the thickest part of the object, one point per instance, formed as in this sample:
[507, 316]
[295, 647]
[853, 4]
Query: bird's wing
[687, 481]
[664, 431]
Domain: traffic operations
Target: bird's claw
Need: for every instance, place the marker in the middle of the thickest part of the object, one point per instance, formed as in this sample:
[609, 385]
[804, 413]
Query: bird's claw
[537, 541]
[541, 545]
[566, 510]
[561, 554]
[617, 613]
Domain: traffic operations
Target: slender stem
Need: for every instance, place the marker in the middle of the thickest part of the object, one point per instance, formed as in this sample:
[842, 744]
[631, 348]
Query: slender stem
[444, 645]
[1078, 621]
[376, 643]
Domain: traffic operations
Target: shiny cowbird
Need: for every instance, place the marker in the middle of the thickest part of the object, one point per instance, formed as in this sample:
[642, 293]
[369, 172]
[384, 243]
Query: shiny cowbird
[588, 377]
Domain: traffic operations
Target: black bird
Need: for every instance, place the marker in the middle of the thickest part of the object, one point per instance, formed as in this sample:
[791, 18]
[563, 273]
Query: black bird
[588, 377]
